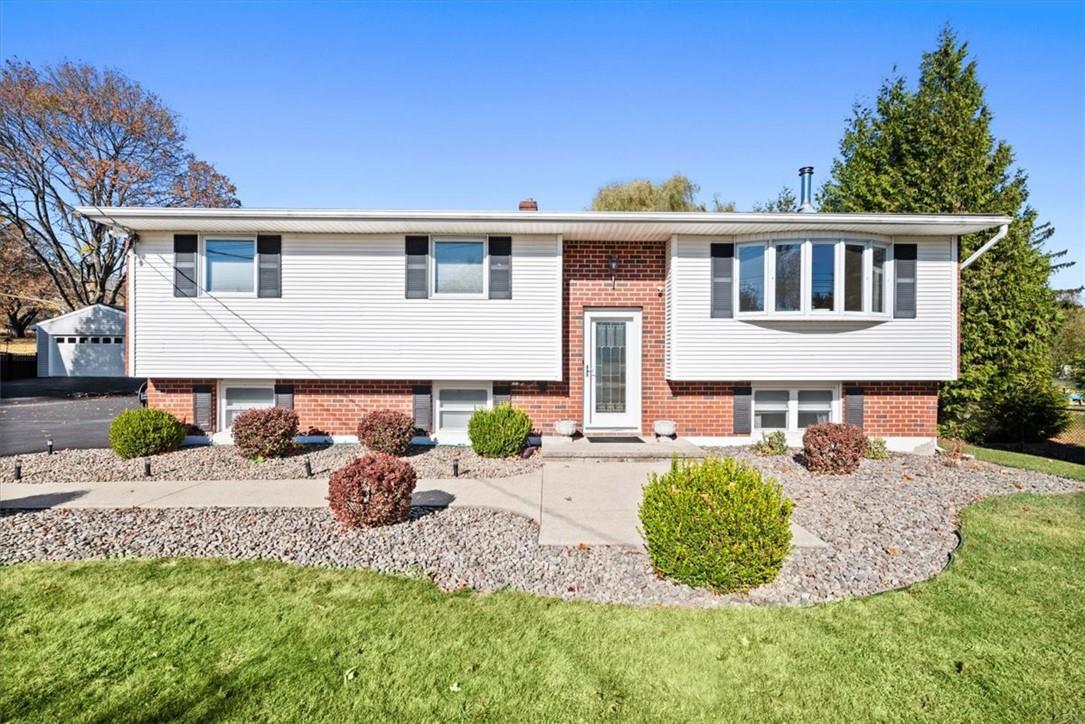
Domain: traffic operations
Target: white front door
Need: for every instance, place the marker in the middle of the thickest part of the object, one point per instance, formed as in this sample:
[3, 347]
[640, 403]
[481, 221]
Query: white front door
[612, 370]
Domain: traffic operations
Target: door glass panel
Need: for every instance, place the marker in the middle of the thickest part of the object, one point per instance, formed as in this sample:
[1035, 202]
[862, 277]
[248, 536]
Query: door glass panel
[610, 367]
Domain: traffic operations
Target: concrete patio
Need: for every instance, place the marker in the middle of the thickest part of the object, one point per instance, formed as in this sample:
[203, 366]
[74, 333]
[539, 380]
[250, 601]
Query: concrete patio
[574, 502]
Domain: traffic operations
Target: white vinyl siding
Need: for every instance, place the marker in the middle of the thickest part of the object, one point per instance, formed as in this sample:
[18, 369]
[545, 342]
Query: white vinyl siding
[343, 315]
[701, 348]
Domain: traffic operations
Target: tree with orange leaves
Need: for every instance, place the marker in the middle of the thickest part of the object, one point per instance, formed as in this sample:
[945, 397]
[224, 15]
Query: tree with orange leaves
[72, 135]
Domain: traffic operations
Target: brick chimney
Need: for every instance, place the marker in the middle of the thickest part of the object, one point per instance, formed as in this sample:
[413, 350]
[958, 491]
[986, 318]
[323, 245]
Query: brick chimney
[529, 204]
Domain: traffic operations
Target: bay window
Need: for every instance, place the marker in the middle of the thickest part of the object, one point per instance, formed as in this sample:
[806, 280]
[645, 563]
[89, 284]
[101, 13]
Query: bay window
[793, 409]
[820, 276]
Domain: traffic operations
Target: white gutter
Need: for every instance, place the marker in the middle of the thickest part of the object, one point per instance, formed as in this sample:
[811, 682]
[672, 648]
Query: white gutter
[1002, 231]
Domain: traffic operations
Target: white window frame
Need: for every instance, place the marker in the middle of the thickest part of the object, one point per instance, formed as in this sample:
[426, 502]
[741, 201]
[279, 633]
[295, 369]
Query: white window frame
[203, 289]
[456, 436]
[220, 396]
[806, 244]
[433, 242]
[793, 388]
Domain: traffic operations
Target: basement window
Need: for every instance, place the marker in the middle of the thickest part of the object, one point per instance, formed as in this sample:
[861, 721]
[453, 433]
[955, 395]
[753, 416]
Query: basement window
[237, 398]
[793, 409]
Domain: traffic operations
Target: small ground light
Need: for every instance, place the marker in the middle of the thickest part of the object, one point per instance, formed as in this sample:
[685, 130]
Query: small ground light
[456, 467]
[308, 467]
[18, 469]
[49, 444]
[146, 467]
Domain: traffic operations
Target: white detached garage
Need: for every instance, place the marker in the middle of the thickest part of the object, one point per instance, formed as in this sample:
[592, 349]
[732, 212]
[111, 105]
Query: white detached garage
[88, 342]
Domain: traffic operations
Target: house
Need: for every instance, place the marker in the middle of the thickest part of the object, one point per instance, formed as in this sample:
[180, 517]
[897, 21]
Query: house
[88, 342]
[730, 324]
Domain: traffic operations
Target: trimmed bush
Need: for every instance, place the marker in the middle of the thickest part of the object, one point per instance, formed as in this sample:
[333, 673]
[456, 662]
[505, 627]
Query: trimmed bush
[500, 432]
[372, 490]
[834, 448]
[145, 431]
[716, 524]
[774, 443]
[265, 433]
[386, 431]
[876, 449]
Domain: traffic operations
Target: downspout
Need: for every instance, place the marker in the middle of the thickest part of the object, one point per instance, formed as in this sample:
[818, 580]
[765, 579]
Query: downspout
[1002, 231]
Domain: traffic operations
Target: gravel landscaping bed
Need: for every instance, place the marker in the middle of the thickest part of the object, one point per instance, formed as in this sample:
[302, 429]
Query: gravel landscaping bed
[225, 463]
[888, 525]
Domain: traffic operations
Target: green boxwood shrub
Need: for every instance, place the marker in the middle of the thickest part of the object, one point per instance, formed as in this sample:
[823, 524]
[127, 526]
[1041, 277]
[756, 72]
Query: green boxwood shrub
[716, 524]
[876, 449]
[145, 431]
[500, 432]
[771, 443]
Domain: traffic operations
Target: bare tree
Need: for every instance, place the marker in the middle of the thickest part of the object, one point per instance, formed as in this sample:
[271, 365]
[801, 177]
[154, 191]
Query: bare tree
[73, 135]
[26, 291]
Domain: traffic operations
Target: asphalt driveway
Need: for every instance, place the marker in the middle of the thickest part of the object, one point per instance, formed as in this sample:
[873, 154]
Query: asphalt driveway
[79, 422]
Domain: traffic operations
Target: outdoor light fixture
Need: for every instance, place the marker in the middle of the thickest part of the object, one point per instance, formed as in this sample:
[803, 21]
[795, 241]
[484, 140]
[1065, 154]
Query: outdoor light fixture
[456, 467]
[308, 467]
[49, 444]
[613, 263]
[146, 467]
[18, 469]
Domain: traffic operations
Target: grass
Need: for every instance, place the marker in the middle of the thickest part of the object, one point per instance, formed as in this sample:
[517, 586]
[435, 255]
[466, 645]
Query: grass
[1007, 458]
[997, 637]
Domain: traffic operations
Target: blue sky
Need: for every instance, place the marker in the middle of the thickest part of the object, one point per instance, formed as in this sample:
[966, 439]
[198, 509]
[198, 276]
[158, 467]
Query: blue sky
[479, 105]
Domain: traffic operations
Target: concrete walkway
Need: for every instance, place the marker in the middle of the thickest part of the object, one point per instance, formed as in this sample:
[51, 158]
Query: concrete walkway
[591, 503]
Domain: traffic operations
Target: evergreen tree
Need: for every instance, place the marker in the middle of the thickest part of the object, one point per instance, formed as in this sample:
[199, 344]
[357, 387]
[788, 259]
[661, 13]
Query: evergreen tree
[931, 150]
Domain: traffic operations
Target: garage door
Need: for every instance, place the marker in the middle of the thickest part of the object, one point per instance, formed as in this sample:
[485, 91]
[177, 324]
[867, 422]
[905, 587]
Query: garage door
[87, 357]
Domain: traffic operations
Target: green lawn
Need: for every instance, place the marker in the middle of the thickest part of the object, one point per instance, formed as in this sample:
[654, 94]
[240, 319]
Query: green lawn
[998, 637]
[1063, 468]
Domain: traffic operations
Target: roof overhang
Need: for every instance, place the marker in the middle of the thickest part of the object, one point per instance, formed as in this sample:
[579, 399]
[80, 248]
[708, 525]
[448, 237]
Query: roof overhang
[593, 225]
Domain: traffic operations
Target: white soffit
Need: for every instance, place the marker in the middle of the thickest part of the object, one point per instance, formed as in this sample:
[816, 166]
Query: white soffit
[586, 225]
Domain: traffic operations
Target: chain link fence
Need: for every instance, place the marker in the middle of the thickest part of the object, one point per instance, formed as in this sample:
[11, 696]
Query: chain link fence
[1068, 445]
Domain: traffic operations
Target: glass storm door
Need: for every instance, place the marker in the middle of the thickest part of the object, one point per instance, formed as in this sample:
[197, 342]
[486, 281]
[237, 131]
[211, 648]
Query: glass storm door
[612, 370]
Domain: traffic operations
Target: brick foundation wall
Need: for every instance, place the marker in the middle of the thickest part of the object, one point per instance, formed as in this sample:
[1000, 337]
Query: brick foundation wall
[334, 407]
[175, 396]
[899, 409]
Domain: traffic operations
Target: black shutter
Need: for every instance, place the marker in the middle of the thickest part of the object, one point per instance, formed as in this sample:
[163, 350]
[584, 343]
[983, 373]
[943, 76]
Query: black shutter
[743, 411]
[184, 265]
[423, 407]
[904, 280]
[269, 276]
[201, 407]
[723, 263]
[417, 267]
[502, 395]
[284, 396]
[500, 267]
[853, 406]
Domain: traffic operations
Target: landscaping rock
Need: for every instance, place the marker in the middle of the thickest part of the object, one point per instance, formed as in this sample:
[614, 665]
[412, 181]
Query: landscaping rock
[226, 463]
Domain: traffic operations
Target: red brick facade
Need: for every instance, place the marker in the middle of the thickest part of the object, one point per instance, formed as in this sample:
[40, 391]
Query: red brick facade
[899, 409]
[701, 409]
[175, 396]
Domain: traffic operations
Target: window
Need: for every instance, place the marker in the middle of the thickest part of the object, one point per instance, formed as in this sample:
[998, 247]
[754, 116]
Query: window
[61, 340]
[822, 276]
[877, 289]
[95, 340]
[118, 340]
[770, 409]
[812, 276]
[107, 340]
[459, 267]
[231, 266]
[853, 277]
[83, 340]
[814, 407]
[788, 277]
[71, 340]
[237, 399]
[455, 405]
[751, 278]
[792, 410]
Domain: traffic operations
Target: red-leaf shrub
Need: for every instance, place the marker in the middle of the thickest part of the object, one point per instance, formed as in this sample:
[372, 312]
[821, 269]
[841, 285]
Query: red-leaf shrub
[386, 431]
[833, 448]
[372, 490]
[265, 433]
